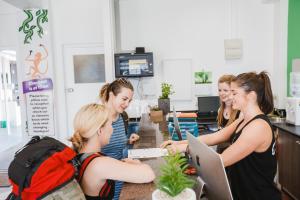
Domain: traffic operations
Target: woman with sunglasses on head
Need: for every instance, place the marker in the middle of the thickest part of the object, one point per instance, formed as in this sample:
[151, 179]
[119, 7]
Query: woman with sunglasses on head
[97, 174]
[251, 156]
[116, 96]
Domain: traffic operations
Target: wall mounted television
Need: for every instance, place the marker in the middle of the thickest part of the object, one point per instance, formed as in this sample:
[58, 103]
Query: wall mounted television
[134, 65]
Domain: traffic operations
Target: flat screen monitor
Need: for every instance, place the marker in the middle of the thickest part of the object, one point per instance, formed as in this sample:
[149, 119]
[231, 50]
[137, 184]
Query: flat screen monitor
[208, 105]
[134, 65]
[210, 168]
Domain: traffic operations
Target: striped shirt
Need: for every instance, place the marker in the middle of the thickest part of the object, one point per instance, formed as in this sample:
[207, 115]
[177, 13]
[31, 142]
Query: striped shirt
[116, 148]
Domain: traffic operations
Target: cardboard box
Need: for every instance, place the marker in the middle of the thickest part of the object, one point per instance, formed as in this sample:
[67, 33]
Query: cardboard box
[156, 116]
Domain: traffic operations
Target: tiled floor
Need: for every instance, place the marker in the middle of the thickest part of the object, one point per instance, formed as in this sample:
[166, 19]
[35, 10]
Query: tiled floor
[10, 141]
[9, 137]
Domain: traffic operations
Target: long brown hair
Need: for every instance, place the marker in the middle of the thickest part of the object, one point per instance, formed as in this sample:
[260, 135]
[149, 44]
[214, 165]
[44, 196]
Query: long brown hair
[87, 121]
[225, 79]
[115, 87]
[261, 85]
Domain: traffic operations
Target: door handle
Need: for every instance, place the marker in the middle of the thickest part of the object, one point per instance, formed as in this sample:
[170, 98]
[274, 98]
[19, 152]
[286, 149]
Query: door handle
[298, 142]
[70, 90]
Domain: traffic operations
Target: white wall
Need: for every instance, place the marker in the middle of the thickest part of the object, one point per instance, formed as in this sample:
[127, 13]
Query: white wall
[280, 52]
[8, 24]
[76, 22]
[196, 29]
[172, 29]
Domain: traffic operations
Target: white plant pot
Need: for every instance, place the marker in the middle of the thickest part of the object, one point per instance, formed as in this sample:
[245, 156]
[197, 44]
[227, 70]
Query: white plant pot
[186, 194]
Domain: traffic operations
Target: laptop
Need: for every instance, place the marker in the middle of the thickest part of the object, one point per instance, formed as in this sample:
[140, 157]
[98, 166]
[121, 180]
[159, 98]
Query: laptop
[176, 125]
[210, 168]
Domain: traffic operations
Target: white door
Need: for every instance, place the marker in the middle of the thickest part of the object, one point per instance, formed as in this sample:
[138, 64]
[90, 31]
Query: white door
[85, 73]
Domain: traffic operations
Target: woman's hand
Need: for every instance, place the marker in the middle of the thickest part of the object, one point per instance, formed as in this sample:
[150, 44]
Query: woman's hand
[133, 138]
[174, 146]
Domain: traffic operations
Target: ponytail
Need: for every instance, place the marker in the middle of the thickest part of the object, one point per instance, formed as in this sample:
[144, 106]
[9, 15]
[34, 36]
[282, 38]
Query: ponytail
[77, 141]
[266, 104]
[104, 93]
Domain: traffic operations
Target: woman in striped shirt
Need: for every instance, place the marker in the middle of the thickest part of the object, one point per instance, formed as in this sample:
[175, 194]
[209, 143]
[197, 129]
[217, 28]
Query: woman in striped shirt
[116, 96]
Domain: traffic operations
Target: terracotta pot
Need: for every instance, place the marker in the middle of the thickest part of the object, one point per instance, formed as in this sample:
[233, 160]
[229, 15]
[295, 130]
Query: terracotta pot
[186, 194]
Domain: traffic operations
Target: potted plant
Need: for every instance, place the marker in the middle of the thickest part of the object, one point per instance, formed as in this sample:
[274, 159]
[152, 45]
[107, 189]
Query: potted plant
[156, 114]
[164, 101]
[173, 183]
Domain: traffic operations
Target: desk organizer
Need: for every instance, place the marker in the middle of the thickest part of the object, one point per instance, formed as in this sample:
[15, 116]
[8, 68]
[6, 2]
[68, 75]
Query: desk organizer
[191, 127]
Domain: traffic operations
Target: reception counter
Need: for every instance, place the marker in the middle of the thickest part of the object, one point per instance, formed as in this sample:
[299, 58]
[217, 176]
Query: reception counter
[150, 136]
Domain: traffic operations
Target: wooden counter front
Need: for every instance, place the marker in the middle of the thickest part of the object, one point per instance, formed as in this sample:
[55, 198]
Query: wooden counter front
[150, 136]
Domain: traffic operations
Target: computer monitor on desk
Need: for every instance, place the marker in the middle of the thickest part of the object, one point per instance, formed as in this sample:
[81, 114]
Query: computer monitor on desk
[210, 168]
[208, 107]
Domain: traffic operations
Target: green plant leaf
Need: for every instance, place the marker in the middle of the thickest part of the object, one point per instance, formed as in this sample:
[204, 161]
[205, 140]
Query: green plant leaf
[172, 180]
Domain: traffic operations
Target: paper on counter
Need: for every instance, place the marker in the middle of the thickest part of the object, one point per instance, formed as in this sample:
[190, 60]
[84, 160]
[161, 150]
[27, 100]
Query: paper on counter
[147, 153]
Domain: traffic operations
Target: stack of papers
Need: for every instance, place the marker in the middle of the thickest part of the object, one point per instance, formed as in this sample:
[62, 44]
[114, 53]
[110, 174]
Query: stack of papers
[147, 153]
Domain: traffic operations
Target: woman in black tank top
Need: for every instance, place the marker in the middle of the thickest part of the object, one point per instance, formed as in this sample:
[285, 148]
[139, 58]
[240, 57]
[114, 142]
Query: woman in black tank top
[251, 156]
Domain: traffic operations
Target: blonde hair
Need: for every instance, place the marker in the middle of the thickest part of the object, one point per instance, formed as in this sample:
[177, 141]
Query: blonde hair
[115, 87]
[87, 121]
[226, 79]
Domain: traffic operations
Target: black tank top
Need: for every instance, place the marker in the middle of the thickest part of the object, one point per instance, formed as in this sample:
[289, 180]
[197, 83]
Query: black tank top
[253, 176]
[108, 189]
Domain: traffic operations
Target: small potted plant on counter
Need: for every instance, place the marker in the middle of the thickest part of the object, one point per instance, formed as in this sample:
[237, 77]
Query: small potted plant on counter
[164, 101]
[156, 114]
[173, 183]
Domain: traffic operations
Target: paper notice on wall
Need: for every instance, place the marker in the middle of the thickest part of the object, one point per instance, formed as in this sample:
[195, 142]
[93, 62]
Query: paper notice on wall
[39, 103]
[37, 71]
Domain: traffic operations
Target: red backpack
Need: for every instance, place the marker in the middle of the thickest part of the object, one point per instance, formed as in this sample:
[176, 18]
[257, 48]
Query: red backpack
[42, 166]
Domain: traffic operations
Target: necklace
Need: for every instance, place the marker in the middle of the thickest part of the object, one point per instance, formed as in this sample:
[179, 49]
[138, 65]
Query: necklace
[226, 115]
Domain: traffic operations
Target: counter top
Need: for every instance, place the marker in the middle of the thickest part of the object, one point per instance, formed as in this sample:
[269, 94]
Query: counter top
[150, 136]
[295, 130]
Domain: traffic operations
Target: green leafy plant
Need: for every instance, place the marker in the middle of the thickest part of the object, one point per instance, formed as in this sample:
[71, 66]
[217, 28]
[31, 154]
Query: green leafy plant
[173, 181]
[166, 90]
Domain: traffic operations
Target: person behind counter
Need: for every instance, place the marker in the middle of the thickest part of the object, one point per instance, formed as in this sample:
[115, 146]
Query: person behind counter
[251, 155]
[226, 114]
[92, 130]
[116, 96]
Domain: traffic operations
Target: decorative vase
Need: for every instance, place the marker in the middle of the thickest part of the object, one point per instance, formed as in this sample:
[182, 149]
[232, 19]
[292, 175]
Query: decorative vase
[186, 194]
[164, 105]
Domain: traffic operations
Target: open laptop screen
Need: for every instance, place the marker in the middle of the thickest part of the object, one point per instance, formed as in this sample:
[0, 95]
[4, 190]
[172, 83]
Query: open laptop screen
[176, 124]
[210, 168]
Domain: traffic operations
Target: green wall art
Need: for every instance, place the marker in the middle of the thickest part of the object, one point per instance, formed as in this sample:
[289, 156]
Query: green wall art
[203, 77]
[33, 23]
[293, 45]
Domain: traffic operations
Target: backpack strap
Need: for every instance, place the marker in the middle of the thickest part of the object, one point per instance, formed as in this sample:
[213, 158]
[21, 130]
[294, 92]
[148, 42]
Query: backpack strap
[125, 118]
[85, 160]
